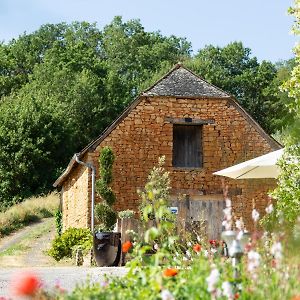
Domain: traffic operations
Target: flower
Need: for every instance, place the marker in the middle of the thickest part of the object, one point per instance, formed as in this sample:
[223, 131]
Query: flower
[276, 251]
[170, 272]
[212, 279]
[255, 215]
[214, 243]
[26, 284]
[227, 290]
[126, 246]
[104, 284]
[253, 260]
[239, 224]
[197, 248]
[269, 208]
[236, 296]
[166, 295]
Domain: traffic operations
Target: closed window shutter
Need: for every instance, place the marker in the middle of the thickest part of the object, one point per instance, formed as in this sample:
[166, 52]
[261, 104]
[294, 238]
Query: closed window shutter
[187, 146]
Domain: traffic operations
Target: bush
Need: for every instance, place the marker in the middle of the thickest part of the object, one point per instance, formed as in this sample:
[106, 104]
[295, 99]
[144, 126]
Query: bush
[103, 211]
[126, 214]
[107, 216]
[58, 221]
[62, 246]
[31, 210]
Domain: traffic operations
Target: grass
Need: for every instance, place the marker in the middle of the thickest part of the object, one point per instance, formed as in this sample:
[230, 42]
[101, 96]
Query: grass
[30, 210]
[14, 250]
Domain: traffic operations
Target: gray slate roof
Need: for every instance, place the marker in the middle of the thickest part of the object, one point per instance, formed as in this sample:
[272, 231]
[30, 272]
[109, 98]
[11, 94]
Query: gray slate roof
[180, 82]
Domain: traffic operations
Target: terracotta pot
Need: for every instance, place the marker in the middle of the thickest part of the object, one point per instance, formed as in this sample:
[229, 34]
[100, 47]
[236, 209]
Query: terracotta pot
[107, 248]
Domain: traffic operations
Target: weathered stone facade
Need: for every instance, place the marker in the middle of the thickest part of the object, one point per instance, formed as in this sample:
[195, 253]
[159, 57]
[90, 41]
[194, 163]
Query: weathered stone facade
[145, 133]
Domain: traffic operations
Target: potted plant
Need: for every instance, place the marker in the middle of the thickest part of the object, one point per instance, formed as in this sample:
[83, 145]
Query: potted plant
[107, 244]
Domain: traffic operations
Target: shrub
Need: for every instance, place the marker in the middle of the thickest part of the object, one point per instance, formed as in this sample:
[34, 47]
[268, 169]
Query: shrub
[58, 221]
[62, 246]
[103, 211]
[126, 214]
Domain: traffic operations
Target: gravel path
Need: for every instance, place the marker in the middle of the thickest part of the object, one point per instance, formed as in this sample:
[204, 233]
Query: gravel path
[36, 238]
[17, 236]
[36, 255]
[67, 277]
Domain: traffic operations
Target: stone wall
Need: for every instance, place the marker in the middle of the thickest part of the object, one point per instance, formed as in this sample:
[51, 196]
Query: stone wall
[75, 199]
[146, 133]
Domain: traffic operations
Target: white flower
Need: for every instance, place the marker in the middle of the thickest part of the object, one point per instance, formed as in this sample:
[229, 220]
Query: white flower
[255, 215]
[188, 253]
[213, 250]
[166, 295]
[253, 260]
[227, 290]
[269, 208]
[276, 251]
[189, 244]
[205, 253]
[240, 235]
[212, 279]
[227, 212]
[239, 224]
[228, 202]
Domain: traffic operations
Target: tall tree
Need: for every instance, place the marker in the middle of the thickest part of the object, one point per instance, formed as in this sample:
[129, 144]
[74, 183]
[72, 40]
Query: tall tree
[234, 70]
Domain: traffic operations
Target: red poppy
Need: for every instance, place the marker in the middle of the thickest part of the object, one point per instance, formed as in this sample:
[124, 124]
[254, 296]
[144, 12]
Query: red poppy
[236, 296]
[26, 284]
[214, 243]
[170, 272]
[126, 246]
[197, 248]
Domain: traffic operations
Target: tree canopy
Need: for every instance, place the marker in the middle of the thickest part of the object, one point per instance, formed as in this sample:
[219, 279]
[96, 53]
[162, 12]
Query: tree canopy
[63, 84]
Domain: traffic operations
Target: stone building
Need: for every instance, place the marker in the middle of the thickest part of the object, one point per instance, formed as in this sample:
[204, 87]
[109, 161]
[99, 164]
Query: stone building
[198, 128]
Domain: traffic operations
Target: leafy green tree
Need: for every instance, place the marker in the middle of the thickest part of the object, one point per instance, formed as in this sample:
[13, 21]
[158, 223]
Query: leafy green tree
[287, 193]
[63, 85]
[134, 55]
[235, 71]
[32, 144]
[19, 57]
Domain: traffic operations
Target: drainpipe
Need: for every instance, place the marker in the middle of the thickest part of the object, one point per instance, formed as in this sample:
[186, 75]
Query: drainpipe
[90, 166]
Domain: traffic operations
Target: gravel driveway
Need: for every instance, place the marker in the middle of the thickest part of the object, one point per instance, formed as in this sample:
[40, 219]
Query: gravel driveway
[68, 277]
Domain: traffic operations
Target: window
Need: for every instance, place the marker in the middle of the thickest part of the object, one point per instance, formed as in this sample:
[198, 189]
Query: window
[187, 146]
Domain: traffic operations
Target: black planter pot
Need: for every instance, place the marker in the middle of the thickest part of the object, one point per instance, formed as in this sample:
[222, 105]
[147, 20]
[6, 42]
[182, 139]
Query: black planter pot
[107, 248]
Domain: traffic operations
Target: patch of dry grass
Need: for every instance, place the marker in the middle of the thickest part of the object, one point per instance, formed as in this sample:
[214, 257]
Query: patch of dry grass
[30, 210]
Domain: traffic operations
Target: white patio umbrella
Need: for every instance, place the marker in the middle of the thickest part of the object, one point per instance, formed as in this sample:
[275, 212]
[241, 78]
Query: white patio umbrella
[260, 167]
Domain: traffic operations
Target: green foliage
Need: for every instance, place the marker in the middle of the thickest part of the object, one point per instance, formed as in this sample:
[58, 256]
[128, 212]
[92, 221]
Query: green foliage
[58, 221]
[31, 210]
[62, 245]
[147, 279]
[287, 194]
[107, 217]
[103, 211]
[63, 84]
[252, 83]
[126, 214]
[105, 192]
[292, 85]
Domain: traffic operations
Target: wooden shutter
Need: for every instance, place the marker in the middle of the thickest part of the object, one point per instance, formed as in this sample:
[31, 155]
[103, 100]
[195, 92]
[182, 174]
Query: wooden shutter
[187, 146]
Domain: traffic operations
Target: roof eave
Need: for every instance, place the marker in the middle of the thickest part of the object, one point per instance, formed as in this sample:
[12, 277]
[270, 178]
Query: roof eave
[59, 181]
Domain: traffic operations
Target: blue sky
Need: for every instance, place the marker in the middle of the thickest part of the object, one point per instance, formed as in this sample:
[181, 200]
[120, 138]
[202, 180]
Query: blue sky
[262, 25]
